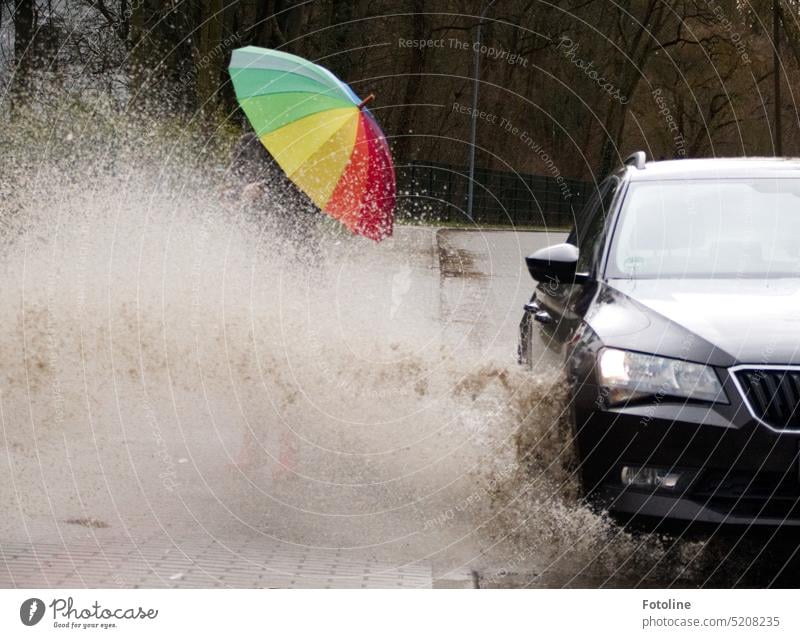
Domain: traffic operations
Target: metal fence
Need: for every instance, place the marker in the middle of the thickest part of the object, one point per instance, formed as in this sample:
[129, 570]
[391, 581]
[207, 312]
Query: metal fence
[438, 192]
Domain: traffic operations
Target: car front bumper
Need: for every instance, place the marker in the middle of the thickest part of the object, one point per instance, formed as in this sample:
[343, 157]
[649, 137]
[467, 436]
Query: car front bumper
[732, 470]
[670, 513]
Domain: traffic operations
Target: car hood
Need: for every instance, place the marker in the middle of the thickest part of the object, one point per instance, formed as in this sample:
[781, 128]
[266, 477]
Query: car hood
[752, 320]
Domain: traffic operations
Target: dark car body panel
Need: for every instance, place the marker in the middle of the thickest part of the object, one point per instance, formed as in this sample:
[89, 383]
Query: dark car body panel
[734, 469]
[752, 320]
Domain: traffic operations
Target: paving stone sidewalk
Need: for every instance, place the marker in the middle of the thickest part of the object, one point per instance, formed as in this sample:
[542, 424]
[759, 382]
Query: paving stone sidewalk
[208, 562]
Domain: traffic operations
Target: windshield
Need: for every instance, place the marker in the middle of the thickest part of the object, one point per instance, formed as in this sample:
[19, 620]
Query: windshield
[715, 228]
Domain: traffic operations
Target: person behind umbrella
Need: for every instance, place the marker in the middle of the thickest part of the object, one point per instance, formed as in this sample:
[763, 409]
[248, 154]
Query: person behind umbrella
[270, 195]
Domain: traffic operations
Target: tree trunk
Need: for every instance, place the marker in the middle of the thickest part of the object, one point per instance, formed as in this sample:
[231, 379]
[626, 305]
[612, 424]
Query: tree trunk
[208, 54]
[247, 21]
[24, 53]
[404, 144]
[139, 46]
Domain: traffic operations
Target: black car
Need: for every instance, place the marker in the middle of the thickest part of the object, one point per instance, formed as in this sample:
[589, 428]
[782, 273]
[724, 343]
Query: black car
[676, 305]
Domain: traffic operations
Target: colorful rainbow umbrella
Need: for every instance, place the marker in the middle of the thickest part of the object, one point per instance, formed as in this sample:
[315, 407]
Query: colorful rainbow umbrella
[321, 135]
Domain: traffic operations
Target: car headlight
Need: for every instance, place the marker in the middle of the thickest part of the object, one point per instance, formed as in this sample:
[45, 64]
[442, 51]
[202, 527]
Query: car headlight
[631, 375]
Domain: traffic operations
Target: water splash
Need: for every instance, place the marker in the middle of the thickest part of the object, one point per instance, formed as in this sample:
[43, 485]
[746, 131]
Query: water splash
[171, 362]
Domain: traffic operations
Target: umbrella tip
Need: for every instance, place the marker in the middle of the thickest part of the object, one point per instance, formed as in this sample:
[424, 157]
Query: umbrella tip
[367, 99]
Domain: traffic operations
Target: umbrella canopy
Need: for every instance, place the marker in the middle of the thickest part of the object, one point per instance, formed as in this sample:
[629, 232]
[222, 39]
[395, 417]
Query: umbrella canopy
[321, 135]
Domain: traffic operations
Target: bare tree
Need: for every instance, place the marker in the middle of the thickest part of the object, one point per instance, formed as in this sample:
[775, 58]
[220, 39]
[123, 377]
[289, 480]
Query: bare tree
[24, 13]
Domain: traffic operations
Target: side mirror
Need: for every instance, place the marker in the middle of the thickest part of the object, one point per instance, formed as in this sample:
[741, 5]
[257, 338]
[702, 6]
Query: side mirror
[556, 264]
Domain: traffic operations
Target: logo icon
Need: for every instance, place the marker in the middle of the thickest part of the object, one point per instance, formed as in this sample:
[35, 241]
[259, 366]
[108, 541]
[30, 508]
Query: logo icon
[31, 611]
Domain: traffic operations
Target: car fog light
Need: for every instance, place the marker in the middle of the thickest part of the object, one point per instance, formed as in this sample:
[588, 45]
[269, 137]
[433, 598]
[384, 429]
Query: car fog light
[649, 477]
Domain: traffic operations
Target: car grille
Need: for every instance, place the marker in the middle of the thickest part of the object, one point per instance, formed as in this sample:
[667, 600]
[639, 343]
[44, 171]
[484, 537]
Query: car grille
[773, 395]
